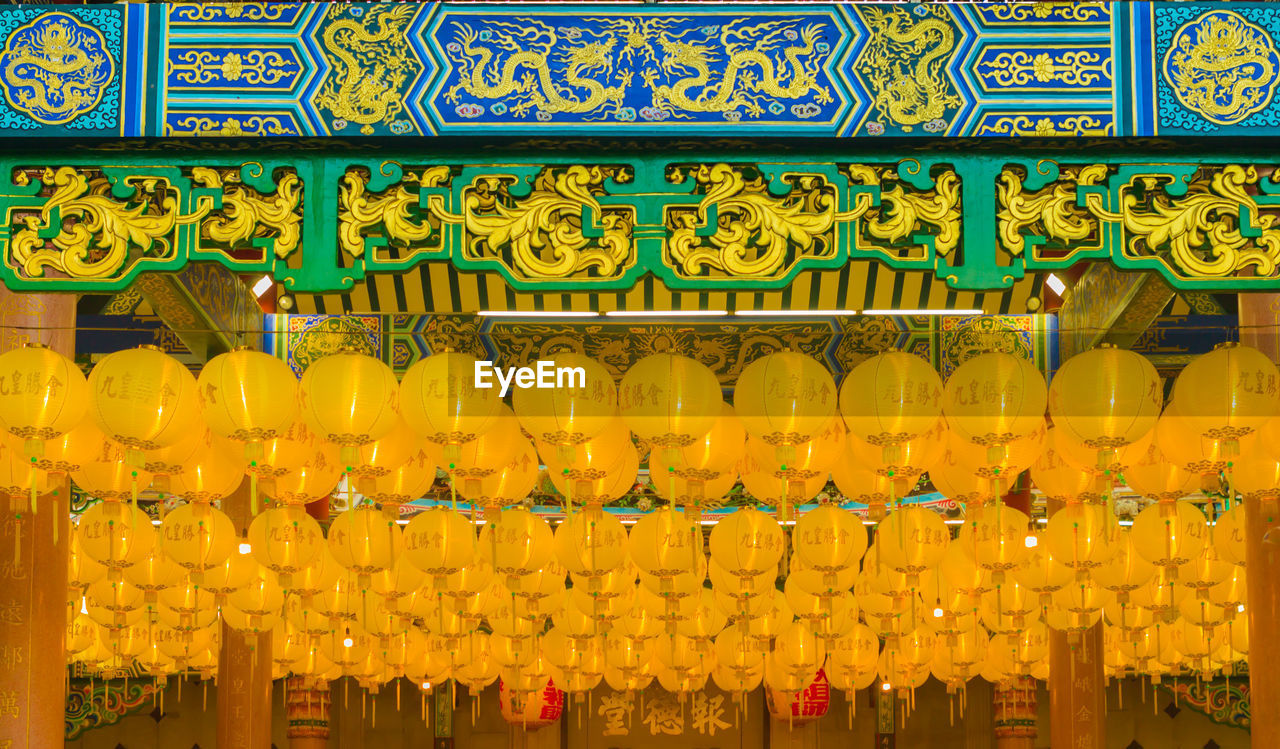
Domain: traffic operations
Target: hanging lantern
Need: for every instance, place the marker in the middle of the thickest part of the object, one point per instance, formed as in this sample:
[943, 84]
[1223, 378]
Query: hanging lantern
[350, 399]
[1000, 468]
[995, 539]
[573, 412]
[117, 535]
[692, 495]
[248, 397]
[670, 401]
[829, 539]
[143, 398]
[286, 540]
[1170, 535]
[509, 486]
[443, 404]
[891, 399]
[1106, 398]
[210, 475]
[365, 541]
[664, 544]
[530, 710]
[440, 542]
[714, 454]
[384, 455]
[1228, 393]
[1181, 445]
[1159, 479]
[784, 399]
[1057, 478]
[402, 485]
[595, 487]
[108, 476]
[993, 399]
[746, 542]
[1082, 536]
[1228, 533]
[43, 395]
[912, 540]
[591, 542]
[911, 458]
[198, 537]
[516, 544]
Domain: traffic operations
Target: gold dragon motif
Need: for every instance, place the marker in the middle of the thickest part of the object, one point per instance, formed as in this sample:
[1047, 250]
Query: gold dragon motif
[541, 235]
[373, 61]
[394, 213]
[55, 68]
[532, 49]
[739, 88]
[904, 63]
[1222, 67]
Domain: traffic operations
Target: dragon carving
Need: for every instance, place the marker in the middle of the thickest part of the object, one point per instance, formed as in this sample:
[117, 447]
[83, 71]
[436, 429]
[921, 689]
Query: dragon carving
[525, 74]
[372, 66]
[903, 65]
[800, 72]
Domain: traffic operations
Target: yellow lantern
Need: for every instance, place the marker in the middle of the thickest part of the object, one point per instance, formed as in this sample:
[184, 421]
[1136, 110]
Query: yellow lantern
[43, 395]
[198, 537]
[663, 543]
[260, 600]
[249, 397]
[210, 475]
[1126, 570]
[68, 452]
[995, 539]
[365, 541]
[715, 453]
[692, 494]
[387, 453]
[1199, 455]
[107, 475]
[784, 399]
[403, 484]
[1056, 477]
[993, 399]
[509, 486]
[488, 453]
[117, 535]
[746, 542]
[1082, 536]
[298, 472]
[998, 468]
[516, 544]
[912, 541]
[670, 401]
[82, 569]
[442, 403]
[591, 542]
[1170, 534]
[1228, 534]
[143, 398]
[597, 487]
[154, 574]
[287, 541]
[891, 399]
[1105, 399]
[829, 540]
[1041, 575]
[440, 542]
[1256, 478]
[574, 411]
[911, 458]
[1228, 393]
[350, 399]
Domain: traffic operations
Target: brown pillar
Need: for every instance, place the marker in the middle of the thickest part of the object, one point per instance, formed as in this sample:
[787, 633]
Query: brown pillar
[1259, 314]
[244, 667]
[1077, 701]
[33, 583]
[307, 704]
[1016, 713]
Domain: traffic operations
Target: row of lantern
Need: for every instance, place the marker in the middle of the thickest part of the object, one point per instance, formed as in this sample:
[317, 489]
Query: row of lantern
[376, 602]
[781, 437]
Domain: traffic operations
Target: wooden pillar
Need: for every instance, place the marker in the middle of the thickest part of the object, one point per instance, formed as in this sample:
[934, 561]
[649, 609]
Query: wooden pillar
[1077, 701]
[244, 666]
[307, 704]
[1016, 712]
[1259, 316]
[33, 576]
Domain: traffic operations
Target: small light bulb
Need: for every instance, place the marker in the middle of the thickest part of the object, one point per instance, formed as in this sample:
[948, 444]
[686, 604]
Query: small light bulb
[1031, 542]
[348, 642]
[426, 685]
[937, 613]
[245, 548]
[84, 606]
[1240, 608]
[886, 686]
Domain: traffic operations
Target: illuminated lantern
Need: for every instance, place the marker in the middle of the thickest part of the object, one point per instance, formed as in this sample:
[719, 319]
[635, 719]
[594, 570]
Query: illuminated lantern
[1228, 393]
[1199, 455]
[154, 574]
[287, 541]
[1082, 536]
[1159, 479]
[829, 540]
[958, 483]
[1126, 570]
[670, 401]
[599, 487]
[784, 399]
[365, 541]
[210, 475]
[508, 486]
[993, 399]
[143, 398]
[588, 460]
[995, 539]
[516, 544]
[117, 535]
[198, 537]
[580, 407]
[891, 399]
[350, 399]
[440, 542]
[690, 494]
[401, 485]
[20, 480]
[68, 452]
[384, 455]
[746, 542]
[82, 569]
[43, 395]
[298, 472]
[793, 480]
[911, 458]
[106, 474]
[663, 543]
[530, 710]
[1056, 477]
[999, 469]
[1256, 478]
[1040, 574]
[1105, 399]
[488, 453]
[1170, 534]
[591, 542]
[248, 397]
[912, 541]
[260, 600]
[715, 453]
[1228, 533]
[442, 403]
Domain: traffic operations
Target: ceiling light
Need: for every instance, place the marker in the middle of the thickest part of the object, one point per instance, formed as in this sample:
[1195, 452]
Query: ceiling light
[936, 312]
[794, 312]
[245, 548]
[1055, 284]
[263, 285]
[534, 313]
[1031, 542]
[667, 313]
[938, 612]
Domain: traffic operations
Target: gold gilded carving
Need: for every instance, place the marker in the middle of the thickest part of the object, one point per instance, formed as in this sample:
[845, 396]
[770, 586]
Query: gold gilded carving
[903, 213]
[757, 234]
[1047, 127]
[247, 214]
[371, 62]
[1074, 68]
[1222, 67]
[1044, 11]
[904, 64]
[55, 68]
[1051, 212]
[393, 213]
[236, 11]
[542, 235]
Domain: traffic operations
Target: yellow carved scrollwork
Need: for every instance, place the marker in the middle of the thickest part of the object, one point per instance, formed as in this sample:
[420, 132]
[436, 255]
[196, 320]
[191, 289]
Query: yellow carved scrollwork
[98, 233]
[246, 214]
[394, 211]
[542, 234]
[757, 233]
[903, 213]
[1051, 212]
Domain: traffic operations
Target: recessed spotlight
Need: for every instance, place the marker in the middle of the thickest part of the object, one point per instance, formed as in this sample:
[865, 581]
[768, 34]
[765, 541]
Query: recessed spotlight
[263, 285]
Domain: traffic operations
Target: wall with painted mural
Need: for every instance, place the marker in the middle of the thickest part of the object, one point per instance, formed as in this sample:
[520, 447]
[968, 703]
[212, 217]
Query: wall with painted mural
[867, 69]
